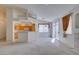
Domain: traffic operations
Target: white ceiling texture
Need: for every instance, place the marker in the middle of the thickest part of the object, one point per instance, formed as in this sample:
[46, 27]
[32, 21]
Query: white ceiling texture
[48, 11]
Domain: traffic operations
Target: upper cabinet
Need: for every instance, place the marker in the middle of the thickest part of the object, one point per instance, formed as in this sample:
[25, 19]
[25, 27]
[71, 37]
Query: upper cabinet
[19, 13]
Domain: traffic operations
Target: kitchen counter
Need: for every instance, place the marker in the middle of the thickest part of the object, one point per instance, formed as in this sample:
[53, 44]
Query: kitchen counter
[25, 36]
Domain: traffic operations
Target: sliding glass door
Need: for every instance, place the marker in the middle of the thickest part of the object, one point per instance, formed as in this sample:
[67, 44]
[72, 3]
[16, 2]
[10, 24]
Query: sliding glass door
[43, 28]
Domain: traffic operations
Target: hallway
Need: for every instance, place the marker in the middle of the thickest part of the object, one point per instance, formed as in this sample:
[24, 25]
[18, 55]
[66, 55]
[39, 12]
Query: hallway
[38, 47]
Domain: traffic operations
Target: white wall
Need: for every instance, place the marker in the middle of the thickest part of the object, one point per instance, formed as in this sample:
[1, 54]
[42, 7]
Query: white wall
[75, 29]
[9, 25]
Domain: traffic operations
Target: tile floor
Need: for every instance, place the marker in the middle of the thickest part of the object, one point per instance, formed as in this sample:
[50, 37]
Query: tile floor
[42, 46]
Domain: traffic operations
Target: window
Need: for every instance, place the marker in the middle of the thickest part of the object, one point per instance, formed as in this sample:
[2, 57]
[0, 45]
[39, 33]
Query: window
[43, 28]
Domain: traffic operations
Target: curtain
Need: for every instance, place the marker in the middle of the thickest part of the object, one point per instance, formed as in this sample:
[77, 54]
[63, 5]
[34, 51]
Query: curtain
[65, 21]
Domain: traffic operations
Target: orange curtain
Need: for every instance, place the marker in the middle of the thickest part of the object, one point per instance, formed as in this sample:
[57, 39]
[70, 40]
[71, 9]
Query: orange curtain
[65, 21]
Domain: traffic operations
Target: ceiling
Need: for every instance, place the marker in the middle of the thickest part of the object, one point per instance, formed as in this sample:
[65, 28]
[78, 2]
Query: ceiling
[48, 11]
